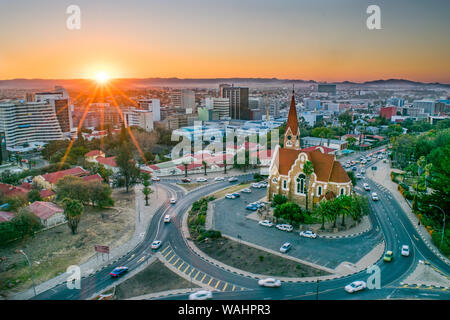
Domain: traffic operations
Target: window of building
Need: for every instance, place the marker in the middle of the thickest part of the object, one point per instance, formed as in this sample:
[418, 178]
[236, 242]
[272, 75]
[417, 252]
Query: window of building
[319, 191]
[342, 191]
[301, 184]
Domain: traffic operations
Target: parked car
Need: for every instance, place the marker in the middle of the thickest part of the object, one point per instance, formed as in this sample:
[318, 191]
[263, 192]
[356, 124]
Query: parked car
[118, 271]
[375, 196]
[358, 176]
[156, 244]
[186, 180]
[308, 234]
[284, 227]
[285, 247]
[233, 179]
[255, 185]
[219, 179]
[201, 179]
[251, 207]
[236, 194]
[247, 190]
[266, 223]
[201, 295]
[230, 196]
[366, 187]
[354, 168]
[166, 218]
[405, 250]
[363, 171]
[156, 179]
[270, 282]
[173, 200]
[355, 286]
[388, 256]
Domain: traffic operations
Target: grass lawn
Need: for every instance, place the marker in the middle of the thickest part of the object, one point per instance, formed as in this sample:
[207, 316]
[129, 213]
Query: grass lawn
[155, 278]
[233, 188]
[52, 251]
[190, 186]
[253, 260]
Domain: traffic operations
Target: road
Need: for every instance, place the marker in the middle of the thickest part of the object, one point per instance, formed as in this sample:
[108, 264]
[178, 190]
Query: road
[388, 216]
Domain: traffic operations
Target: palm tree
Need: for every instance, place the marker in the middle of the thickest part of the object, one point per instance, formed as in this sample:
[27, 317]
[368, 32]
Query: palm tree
[225, 166]
[146, 183]
[185, 169]
[205, 165]
[73, 209]
[308, 169]
[324, 212]
[345, 203]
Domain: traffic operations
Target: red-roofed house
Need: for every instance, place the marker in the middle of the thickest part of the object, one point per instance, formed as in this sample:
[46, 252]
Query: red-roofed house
[322, 149]
[94, 177]
[49, 180]
[92, 155]
[6, 216]
[8, 190]
[47, 195]
[109, 163]
[48, 213]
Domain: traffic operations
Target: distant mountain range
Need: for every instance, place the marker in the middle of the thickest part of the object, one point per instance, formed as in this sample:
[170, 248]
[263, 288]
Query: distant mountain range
[43, 84]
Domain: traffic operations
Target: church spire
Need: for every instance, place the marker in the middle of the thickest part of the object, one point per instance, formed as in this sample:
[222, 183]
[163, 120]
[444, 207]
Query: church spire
[292, 133]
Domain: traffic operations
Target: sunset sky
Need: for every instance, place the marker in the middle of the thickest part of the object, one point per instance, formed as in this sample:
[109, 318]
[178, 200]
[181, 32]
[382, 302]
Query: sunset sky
[323, 40]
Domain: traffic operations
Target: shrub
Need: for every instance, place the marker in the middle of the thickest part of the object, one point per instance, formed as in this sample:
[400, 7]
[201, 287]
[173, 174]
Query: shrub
[437, 238]
[261, 258]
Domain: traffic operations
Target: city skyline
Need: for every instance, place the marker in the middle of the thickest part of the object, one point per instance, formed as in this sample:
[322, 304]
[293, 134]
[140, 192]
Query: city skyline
[321, 41]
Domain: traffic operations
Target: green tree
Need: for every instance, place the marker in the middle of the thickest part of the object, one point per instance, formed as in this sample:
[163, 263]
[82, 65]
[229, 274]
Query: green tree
[279, 199]
[205, 166]
[352, 177]
[290, 212]
[127, 167]
[99, 194]
[26, 223]
[185, 165]
[73, 210]
[308, 170]
[33, 195]
[146, 183]
[324, 212]
[73, 188]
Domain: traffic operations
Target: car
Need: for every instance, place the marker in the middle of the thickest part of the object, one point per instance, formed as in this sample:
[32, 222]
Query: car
[266, 223]
[263, 185]
[236, 195]
[380, 157]
[201, 295]
[308, 234]
[366, 187]
[363, 161]
[405, 250]
[186, 180]
[270, 282]
[284, 227]
[156, 179]
[230, 196]
[166, 218]
[201, 179]
[354, 168]
[388, 256]
[358, 176]
[251, 207]
[375, 196]
[363, 171]
[247, 190]
[219, 179]
[233, 179]
[156, 244]
[118, 271]
[355, 286]
[255, 185]
[285, 247]
[173, 201]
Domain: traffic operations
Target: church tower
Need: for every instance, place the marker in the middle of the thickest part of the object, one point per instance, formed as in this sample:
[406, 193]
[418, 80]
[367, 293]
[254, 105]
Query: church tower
[292, 133]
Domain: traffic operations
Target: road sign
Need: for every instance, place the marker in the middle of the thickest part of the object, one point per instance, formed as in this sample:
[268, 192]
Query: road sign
[102, 249]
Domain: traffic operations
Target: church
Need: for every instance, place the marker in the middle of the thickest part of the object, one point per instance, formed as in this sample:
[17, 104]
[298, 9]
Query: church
[286, 176]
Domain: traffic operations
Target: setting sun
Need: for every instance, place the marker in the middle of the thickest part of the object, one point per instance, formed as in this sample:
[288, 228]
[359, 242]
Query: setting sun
[102, 77]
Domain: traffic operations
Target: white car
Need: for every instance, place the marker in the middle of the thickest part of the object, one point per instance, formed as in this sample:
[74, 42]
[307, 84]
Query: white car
[230, 196]
[255, 185]
[375, 196]
[405, 250]
[308, 234]
[219, 179]
[201, 179]
[233, 179]
[156, 179]
[366, 187]
[173, 201]
[285, 247]
[166, 218]
[266, 223]
[247, 190]
[363, 171]
[201, 295]
[156, 244]
[269, 282]
[358, 176]
[284, 227]
[355, 286]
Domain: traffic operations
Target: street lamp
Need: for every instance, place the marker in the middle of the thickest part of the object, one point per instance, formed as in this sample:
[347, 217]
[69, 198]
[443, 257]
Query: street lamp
[443, 226]
[317, 289]
[31, 268]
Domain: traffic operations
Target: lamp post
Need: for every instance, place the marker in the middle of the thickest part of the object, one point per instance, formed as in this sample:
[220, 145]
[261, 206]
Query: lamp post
[31, 269]
[317, 289]
[443, 226]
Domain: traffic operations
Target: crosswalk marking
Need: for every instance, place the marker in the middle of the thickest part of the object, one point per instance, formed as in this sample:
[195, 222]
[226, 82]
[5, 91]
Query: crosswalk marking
[198, 272]
[175, 262]
[165, 249]
[217, 284]
[242, 289]
[180, 266]
[225, 286]
[167, 253]
[187, 267]
[191, 272]
[204, 276]
[234, 287]
[172, 258]
[209, 281]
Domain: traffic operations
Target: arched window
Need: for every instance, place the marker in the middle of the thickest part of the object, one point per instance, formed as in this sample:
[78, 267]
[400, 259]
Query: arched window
[319, 190]
[284, 184]
[342, 191]
[301, 183]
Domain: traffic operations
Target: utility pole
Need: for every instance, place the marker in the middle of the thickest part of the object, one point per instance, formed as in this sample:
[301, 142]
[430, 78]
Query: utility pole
[317, 289]
[31, 269]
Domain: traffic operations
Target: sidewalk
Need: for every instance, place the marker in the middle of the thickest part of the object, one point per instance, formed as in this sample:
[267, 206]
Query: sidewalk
[382, 178]
[144, 215]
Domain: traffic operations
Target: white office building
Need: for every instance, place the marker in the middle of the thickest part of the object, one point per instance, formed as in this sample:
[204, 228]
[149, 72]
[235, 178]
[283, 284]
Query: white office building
[29, 122]
[152, 105]
[139, 118]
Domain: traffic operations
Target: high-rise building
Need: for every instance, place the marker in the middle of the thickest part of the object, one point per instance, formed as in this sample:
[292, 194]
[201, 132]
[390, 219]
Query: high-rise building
[61, 101]
[3, 151]
[139, 118]
[428, 106]
[152, 105]
[238, 96]
[183, 98]
[27, 122]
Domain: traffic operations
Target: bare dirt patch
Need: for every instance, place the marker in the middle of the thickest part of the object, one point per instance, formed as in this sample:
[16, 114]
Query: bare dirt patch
[190, 186]
[52, 251]
[155, 278]
[253, 260]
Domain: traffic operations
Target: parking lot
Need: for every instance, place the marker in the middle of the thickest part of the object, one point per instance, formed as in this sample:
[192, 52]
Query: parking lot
[230, 219]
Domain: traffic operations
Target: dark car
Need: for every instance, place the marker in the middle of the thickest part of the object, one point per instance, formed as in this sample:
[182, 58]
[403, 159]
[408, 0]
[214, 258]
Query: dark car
[118, 271]
[186, 180]
[237, 195]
